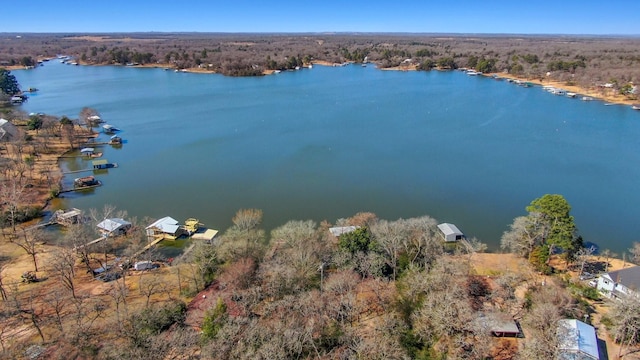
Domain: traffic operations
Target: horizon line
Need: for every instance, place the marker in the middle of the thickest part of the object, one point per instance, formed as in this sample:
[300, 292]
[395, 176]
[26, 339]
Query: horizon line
[319, 33]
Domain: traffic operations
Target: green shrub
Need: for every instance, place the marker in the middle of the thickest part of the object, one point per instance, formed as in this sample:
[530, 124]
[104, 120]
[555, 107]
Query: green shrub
[214, 320]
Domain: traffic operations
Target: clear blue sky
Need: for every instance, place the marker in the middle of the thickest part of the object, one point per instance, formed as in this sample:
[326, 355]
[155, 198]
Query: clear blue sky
[461, 16]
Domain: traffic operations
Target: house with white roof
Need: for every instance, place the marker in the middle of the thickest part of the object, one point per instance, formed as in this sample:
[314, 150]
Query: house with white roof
[113, 227]
[450, 232]
[620, 283]
[167, 227]
[577, 341]
[339, 230]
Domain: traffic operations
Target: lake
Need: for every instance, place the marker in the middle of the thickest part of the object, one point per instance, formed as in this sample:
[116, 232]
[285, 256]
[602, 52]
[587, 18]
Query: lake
[328, 142]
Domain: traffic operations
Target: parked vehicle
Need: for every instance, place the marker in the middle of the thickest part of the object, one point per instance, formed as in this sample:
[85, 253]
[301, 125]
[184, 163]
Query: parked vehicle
[108, 276]
[586, 276]
[144, 265]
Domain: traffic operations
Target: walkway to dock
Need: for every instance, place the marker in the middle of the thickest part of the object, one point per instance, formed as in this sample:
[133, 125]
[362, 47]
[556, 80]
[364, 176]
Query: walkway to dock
[149, 245]
[89, 243]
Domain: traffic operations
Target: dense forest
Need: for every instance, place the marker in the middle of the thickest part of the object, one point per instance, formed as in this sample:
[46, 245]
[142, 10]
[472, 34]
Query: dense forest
[582, 61]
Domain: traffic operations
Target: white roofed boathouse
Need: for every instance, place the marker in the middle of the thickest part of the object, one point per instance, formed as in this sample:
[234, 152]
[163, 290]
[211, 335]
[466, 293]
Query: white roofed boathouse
[450, 232]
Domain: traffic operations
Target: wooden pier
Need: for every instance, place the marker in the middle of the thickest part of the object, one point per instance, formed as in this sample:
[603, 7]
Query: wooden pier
[76, 171]
[81, 188]
[149, 246]
[89, 243]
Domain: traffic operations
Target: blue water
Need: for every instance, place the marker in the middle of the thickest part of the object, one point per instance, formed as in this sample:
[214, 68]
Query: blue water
[325, 143]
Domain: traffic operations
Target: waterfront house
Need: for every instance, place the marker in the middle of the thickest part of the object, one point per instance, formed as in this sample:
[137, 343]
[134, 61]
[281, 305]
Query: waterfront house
[577, 340]
[114, 226]
[620, 283]
[450, 232]
[167, 228]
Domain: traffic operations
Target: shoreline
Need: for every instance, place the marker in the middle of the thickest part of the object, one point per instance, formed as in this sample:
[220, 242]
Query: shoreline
[597, 93]
[608, 95]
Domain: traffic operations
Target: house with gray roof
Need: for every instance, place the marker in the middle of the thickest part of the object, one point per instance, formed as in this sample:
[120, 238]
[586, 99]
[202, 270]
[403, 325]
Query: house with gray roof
[8, 131]
[620, 283]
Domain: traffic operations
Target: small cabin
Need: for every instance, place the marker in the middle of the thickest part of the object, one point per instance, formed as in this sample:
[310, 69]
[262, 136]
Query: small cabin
[450, 232]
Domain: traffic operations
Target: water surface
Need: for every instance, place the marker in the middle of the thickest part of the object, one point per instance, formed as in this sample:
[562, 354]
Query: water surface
[325, 143]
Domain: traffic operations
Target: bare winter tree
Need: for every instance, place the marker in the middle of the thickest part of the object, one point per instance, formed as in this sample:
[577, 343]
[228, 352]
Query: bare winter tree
[150, 285]
[247, 219]
[77, 238]
[626, 315]
[57, 300]
[635, 252]
[29, 242]
[583, 255]
[391, 238]
[3, 292]
[63, 265]
[525, 233]
[12, 191]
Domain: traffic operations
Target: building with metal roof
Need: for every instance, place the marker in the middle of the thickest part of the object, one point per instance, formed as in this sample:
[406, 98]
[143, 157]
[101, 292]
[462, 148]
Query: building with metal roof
[577, 340]
[167, 227]
[113, 226]
[450, 232]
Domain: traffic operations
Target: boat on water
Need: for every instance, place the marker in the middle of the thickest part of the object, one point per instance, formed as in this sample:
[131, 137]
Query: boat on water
[191, 225]
[85, 182]
[115, 140]
[635, 107]
[472, 73]
[586, 98]
[103, 164]
[109, 128]
[571, 94]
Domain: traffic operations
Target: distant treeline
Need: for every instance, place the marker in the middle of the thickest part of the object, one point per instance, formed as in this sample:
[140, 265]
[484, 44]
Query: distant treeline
[580, 60]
